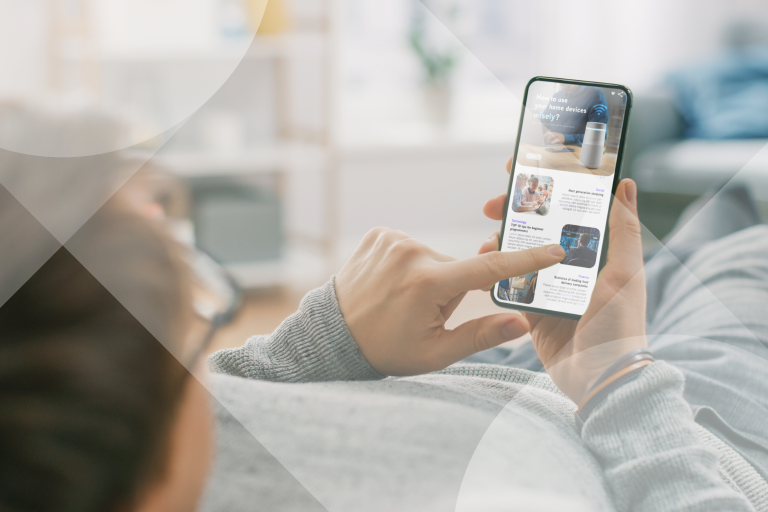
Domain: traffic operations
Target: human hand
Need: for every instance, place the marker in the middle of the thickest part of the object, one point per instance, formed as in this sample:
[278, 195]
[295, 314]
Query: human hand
[551, 137]
[575, 353]
[396, 294]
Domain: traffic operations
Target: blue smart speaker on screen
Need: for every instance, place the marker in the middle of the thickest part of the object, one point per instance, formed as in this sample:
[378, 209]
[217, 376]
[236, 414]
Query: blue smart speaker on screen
[592, 148]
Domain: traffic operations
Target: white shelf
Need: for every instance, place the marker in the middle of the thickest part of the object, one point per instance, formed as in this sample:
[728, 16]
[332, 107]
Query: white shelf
[262, 274]
[201, 164]
[264, 160]
[300, 268]
[262, 47]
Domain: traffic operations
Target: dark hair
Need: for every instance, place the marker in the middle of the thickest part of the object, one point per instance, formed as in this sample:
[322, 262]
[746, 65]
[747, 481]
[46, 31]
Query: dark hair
[87, 393]
[584, 238]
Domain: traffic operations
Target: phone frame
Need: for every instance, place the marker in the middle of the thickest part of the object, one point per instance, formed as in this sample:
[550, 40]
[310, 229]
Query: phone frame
[616, 179]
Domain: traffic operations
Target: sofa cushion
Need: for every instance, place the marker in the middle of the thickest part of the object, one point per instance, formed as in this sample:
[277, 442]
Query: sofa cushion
[695, 165]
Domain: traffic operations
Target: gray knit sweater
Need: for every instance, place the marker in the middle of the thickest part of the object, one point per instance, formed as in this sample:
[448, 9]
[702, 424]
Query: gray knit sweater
[306, 424]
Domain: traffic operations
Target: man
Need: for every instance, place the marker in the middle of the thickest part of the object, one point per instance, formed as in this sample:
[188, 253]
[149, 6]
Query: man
[336, 434]
[522, 195]
[98, 416]
[584, 104]
[581, 255]
[315, 425]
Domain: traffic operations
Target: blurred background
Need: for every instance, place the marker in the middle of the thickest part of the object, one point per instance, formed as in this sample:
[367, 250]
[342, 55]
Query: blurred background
[278, 136]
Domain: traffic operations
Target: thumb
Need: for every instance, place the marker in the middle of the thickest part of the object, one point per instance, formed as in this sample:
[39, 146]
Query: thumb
[477, 335]
[625, 249]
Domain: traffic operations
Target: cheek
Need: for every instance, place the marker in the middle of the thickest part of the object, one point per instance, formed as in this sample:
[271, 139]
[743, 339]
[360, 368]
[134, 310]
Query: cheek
[201, 443]
[192, 447]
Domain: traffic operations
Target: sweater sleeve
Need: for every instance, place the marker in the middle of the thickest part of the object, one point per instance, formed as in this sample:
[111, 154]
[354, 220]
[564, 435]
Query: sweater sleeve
[573, 138]
[644, 436]
[312, 345]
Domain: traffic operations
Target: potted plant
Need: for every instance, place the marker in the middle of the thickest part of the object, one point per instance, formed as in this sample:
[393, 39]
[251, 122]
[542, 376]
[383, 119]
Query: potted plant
[438, 60]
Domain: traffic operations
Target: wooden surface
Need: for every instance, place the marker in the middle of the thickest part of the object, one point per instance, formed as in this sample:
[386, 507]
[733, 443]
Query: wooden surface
[258, 314]
[565, 161]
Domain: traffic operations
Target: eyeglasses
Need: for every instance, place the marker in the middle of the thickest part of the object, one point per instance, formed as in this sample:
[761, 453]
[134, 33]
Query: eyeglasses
[216, 299]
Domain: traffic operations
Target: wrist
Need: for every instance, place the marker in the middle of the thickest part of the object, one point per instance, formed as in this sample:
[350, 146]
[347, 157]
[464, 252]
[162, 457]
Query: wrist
[577, 372]
[624, 370]
[629, 359]
[610, 383]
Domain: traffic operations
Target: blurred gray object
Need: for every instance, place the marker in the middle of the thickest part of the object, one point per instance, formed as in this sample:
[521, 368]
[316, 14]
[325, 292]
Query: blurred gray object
[237, 223]
[659, 158]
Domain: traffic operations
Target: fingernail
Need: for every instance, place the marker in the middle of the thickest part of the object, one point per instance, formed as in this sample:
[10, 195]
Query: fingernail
[511, 330]
[556, 250]
[491, 238]
[630, 192]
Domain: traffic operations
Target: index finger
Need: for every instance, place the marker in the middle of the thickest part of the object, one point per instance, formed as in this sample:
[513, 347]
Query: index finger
[488, 269]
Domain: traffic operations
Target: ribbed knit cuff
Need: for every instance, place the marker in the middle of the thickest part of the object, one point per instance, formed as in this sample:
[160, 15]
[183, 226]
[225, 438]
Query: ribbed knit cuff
[650, 398]
[644, 437]
[583, 414]
[312, 345]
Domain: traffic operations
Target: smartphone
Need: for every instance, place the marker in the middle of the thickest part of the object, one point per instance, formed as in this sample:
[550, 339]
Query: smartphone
[563, 194]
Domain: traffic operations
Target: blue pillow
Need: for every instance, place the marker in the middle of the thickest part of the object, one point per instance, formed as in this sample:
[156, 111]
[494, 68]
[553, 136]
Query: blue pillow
[726, 97]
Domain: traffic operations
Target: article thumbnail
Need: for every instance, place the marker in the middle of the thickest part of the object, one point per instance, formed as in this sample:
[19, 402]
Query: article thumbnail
[580, 244]
[571, 127]
[532, 194]
[520, 289]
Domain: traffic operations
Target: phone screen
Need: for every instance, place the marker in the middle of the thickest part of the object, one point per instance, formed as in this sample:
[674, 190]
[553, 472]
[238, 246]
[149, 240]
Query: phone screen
[565, 170]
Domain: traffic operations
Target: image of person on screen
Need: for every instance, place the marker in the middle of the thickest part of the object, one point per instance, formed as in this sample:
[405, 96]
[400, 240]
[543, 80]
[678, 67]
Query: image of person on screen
[504, 293]
[583, 104]
[531, 192]
[525, 197]
[518, 289]
[581, 255]
[531, 291]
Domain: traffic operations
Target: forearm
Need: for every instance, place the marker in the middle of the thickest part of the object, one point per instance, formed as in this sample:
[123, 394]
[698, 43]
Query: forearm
[312, 345]
[573, 138]
[645, 438]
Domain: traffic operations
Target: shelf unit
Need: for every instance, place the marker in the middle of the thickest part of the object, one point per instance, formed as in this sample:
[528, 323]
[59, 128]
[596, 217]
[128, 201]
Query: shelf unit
[294, 147]
[271, 159]
[278, 162]
[72, 69]
[262, 47]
